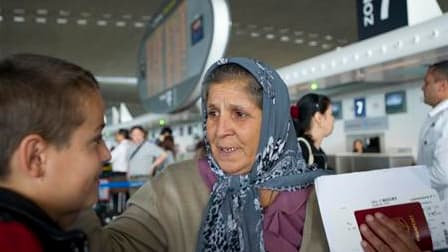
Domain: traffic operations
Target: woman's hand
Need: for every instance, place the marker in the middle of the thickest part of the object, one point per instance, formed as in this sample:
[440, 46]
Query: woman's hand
[383, 234]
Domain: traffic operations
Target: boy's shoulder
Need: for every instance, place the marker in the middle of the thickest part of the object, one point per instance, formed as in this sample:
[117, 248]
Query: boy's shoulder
[15, 236]
[23, 222]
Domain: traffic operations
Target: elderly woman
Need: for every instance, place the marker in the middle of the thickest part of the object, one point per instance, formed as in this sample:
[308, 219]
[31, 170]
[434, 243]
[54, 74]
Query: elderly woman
[251, 193]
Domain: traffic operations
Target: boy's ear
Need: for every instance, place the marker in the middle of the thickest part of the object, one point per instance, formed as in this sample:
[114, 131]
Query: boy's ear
[32, 155]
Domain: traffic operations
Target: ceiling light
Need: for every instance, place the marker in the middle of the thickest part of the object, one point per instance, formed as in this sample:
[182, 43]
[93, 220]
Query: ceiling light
[41, 20]
[139, 24]
[399, 44]
[284, 38]
[120, 23]
[435, 33]
[313, 35]
[298, 33]
[146, 18]
[326, 46]
[1, 18]
[416, 39]
[333, 63]
[328, 37]
[298, 41]
[64, 13]
[313, 43]
[252, 26]
[19, 19]
[270, 36]
[101, 22]
[268, 28]
[127, 16]
[42, 11]
[61, 20]
[81, 21]
[255, 34]
[107, 15]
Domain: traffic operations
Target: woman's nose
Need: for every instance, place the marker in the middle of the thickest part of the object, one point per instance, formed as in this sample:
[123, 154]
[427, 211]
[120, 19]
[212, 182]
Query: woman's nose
[225, 126]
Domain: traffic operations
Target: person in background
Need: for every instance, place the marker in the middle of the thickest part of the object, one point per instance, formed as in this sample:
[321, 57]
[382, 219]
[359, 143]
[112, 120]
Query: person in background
[314, 121]
[142, 155]
[250, 194]
[120, 166]
[433, 140]
[52, 152]
[120, 154]
[358, 146]
[168, 157]
[165, 131]
[199, 150]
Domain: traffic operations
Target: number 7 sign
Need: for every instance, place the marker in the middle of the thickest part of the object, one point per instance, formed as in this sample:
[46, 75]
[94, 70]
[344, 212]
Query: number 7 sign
[360, 107]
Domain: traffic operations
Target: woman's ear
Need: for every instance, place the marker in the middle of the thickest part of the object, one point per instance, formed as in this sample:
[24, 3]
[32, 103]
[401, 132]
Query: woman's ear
[32, 155]
[317, 117]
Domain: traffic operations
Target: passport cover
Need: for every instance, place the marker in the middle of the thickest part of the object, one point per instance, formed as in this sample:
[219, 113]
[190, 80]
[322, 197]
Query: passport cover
[410, 215]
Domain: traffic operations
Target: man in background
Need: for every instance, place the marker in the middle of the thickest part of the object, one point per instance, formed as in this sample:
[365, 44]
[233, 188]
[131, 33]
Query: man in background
[143, 155]
[433, 141]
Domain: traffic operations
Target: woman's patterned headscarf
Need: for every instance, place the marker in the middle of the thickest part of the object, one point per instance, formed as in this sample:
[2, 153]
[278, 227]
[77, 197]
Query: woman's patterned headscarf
[233, 219]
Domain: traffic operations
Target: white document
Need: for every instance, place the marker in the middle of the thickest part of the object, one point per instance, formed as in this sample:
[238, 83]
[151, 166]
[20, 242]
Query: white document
[339, 196]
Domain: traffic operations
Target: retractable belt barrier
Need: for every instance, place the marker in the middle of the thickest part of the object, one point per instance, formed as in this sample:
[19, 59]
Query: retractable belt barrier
[120, 184]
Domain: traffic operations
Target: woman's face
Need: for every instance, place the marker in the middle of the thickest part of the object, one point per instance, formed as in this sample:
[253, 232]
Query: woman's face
[233, 126]
[328, 121]
[358, 146]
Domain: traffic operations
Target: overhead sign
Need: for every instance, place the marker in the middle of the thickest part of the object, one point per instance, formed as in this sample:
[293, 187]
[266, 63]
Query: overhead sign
[179, 44]
[379, 16]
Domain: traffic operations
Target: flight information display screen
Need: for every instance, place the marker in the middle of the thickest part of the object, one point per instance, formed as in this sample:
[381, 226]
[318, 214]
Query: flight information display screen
[178, 45]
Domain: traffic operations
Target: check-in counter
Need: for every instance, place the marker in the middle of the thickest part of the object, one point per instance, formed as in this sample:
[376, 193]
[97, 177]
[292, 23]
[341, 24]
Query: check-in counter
[352, 162]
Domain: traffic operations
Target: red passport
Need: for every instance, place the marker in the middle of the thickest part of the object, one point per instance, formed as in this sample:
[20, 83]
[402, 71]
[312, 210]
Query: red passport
[410, 215]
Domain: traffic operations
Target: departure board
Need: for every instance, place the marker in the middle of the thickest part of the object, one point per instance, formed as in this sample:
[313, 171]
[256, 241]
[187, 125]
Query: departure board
[178, 46]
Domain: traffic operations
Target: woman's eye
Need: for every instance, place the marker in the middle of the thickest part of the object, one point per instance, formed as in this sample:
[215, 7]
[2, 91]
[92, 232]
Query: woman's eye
[212, 113]
[241, 114]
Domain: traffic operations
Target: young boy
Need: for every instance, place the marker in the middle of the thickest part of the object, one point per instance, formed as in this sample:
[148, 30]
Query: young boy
[51, 152]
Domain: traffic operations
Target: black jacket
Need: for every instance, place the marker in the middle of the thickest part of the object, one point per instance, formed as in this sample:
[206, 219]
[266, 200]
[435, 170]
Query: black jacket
[16, 208]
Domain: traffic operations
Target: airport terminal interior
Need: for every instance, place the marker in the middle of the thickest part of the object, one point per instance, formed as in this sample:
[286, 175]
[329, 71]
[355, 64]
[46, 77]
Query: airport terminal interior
[370, 57]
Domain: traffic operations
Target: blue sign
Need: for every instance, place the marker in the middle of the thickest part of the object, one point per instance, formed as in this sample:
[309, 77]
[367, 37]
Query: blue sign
[360, 107]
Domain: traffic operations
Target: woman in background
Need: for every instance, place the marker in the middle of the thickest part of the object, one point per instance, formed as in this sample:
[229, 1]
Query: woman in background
[358, 146]
[313, 121]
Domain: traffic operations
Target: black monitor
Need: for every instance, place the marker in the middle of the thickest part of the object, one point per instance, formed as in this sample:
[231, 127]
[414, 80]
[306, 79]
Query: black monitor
[372, 144]
[395, 102]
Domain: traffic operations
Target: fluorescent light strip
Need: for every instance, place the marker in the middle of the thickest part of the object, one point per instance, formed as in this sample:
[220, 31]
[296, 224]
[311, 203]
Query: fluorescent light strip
[116, 80]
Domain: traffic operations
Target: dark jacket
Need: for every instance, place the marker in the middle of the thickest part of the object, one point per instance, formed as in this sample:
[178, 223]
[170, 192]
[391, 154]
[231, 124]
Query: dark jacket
[19, 213]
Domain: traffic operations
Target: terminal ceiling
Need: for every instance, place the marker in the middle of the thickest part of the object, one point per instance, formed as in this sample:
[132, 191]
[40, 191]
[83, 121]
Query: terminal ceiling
[106, 42]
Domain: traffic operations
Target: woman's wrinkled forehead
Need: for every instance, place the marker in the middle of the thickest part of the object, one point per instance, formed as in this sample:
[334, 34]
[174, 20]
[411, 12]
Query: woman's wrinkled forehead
[232, 73]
